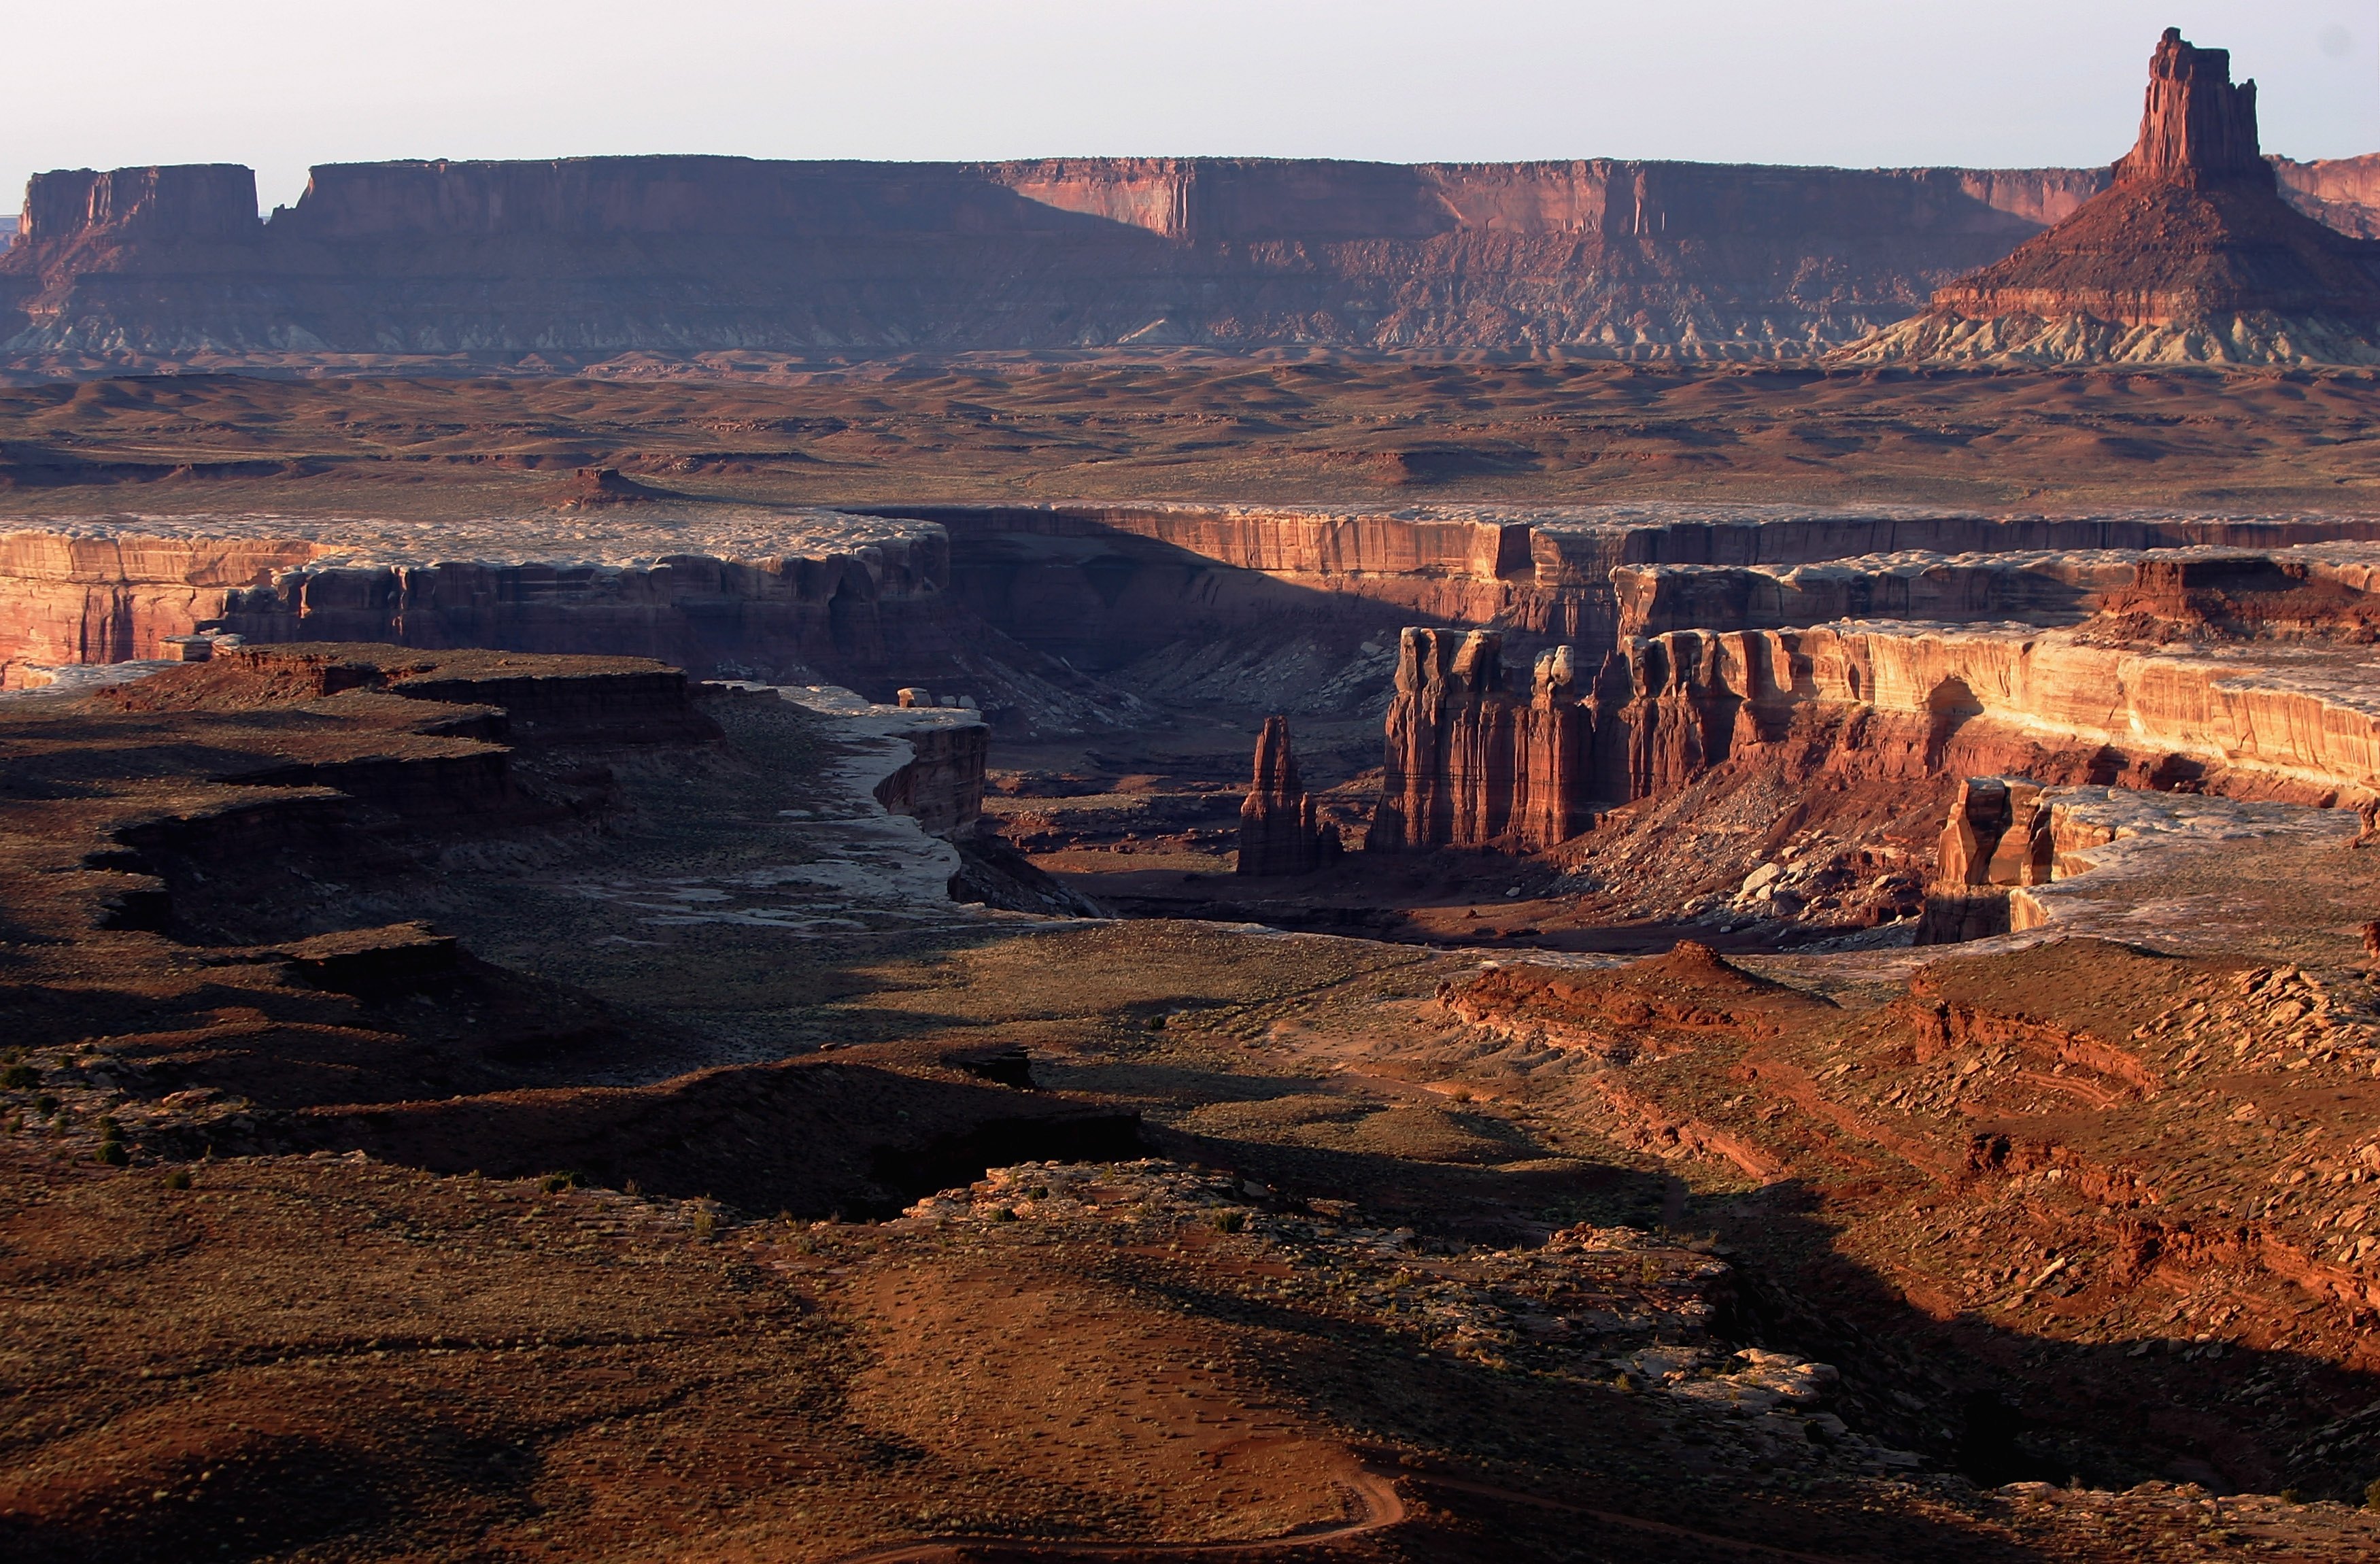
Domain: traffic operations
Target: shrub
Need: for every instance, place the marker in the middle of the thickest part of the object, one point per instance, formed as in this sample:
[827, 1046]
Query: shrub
[1003, 1215]
[2372, 1494]
[16, 1078]
[113, 1153]
[556, 1182]
[45, 1105]
[1231, 1221]
[179, 1178]
[706, 1224]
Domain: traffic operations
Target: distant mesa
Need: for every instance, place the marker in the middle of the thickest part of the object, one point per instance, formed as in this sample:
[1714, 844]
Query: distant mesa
[2191, 255]
[594, 488]
[551, 267]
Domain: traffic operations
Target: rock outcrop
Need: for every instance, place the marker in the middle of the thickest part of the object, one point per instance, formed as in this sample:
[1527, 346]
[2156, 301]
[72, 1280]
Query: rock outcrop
[551, 264]
[1279, 833]
[2191, 255]
[1468, 765]
[2296, 726]
[2019, 854]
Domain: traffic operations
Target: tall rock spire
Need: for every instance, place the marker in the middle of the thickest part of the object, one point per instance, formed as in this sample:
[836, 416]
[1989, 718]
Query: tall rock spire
[2195, 125]
[2190, 256]
[1279, 833]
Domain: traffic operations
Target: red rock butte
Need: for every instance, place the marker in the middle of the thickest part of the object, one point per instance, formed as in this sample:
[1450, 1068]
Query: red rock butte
[2190, 254]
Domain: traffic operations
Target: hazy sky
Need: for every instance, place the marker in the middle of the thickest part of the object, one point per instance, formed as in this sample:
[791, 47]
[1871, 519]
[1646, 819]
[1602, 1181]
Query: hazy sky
[281, 85]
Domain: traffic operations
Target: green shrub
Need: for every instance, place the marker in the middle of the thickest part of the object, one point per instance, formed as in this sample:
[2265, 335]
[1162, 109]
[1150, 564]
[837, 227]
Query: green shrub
[45, 1105]
[1003, 1215]
[179, 1178]
[113, 1153]
[2372, 1494]
[16, 1078]
[1231, 1221]
[556, 1182]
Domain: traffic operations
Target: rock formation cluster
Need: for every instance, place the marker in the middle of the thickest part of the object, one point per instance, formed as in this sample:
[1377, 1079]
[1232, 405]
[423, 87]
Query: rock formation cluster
[1470, 765]
[2190, 254]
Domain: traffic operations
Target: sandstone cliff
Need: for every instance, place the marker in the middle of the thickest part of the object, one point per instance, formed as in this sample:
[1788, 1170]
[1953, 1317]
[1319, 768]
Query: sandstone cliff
[2298, 725]
[2341, 193]
[2191, 255]
[1279, 831]
[1469, 766]
[844, 595]
[596, 256]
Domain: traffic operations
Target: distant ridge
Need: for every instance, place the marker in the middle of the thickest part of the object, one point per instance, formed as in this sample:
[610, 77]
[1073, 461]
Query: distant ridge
[723, 263]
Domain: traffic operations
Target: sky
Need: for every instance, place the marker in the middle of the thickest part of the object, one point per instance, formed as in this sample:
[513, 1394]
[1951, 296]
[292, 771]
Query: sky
[1862, 83]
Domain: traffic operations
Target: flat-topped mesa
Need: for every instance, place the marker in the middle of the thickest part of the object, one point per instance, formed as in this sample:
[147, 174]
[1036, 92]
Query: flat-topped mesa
[1279, 833]
[206, 201]
[554, 262]
[2195, 125]
[2190, 256]
[1467, 764]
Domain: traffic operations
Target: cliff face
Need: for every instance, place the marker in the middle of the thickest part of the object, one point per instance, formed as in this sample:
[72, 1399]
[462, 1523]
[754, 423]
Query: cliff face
[853, 610]
[1469, 766]
[682, 254]
[2341, 193]
[1279, 831]
[1668, 706]
[2190, 254]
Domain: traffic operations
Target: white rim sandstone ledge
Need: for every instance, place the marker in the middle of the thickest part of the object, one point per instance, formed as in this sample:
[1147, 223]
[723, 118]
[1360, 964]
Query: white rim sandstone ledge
[637, 538]
[2297, 715]
[2142, 839]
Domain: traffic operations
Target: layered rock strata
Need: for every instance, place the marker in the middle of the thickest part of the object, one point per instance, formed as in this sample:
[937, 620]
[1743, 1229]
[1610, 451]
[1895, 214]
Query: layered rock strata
[2191, 255]
[2303, 725]
[1467, 764]
[599, 255]
[1105, 585]
[2317, 587]
[1279, 833]
[818, 589]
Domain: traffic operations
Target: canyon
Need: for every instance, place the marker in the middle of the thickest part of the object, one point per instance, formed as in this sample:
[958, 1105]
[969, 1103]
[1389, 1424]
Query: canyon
[1167, 859]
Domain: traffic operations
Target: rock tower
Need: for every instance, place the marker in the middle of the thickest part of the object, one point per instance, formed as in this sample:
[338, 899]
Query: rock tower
[1279, 831]
[2189, 256]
